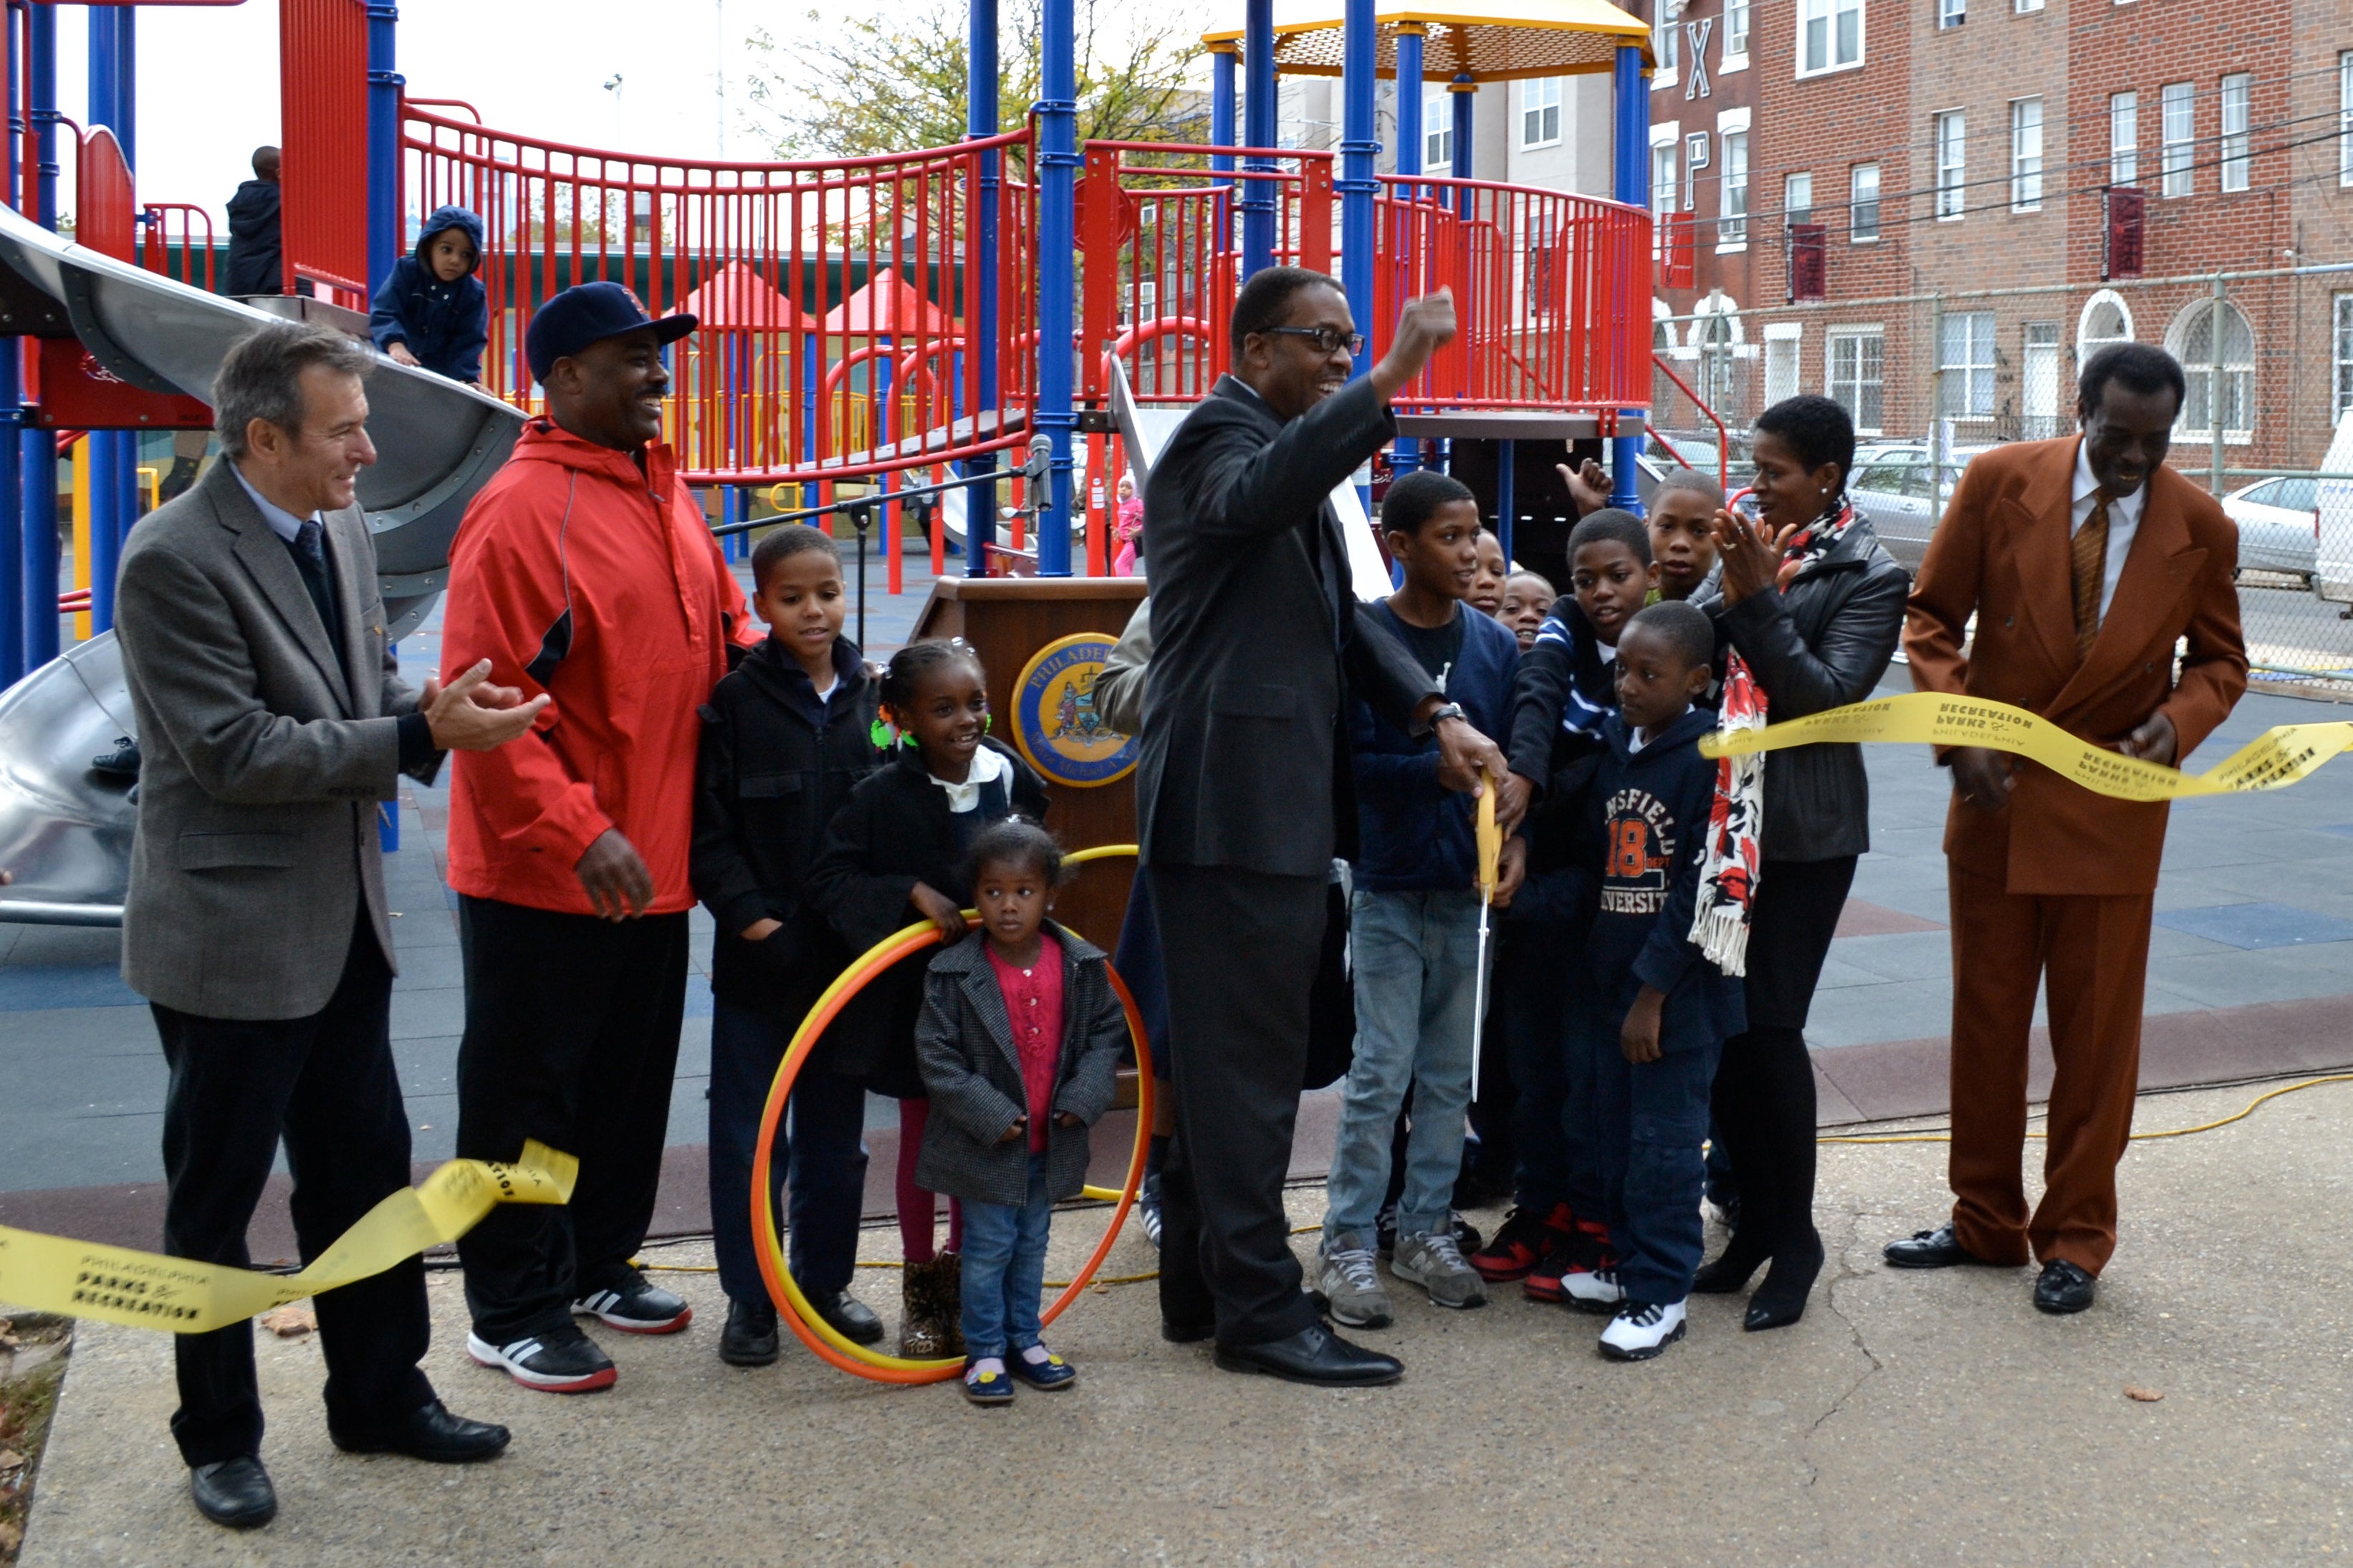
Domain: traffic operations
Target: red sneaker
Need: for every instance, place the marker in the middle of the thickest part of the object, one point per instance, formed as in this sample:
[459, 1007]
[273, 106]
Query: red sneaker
[1524, 1240]
[1584, 1249]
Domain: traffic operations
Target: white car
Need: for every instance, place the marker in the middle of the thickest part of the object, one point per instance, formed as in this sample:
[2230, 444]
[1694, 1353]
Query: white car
[2279, 525]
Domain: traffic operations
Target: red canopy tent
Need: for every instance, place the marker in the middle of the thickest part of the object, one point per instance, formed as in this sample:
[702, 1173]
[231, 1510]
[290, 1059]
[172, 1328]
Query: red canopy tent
[889, 306]
[736, 298]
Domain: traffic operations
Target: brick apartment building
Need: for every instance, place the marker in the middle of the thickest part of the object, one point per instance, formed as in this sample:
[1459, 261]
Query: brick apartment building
[1954, 147]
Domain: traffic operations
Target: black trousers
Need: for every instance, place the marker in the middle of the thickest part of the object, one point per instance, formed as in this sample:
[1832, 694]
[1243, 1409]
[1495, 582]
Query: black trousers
[1241, 950]
[1764, 1097]
[572, 1039]
[326, 1085]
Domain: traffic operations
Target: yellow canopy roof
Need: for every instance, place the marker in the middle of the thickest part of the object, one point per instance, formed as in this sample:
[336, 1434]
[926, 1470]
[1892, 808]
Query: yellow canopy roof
[1505, 42]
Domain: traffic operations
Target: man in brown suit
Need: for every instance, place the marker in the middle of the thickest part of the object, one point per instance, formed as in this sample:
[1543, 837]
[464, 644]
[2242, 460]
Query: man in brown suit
[2084, 560]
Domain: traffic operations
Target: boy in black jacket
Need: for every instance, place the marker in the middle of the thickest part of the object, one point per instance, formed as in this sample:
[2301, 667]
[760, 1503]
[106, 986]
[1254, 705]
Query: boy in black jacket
[786, 737]
[433, 311]
[1652, 1014]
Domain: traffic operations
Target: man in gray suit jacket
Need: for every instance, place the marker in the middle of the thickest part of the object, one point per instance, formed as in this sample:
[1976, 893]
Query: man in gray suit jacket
[272, 721]
[1243, 795]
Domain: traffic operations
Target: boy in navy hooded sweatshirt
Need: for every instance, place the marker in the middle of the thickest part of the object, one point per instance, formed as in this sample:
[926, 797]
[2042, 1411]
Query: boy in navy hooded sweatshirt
[1652, 1014]
[433, 311]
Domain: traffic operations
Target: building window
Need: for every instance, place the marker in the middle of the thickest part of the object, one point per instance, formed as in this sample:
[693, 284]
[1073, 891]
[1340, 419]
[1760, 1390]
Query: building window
[1952, 163]
[1732, 230]
[1856, 375]
[2343, 401]
[1663, 34]
[2180, 130]
[1952, 12]
[1437, 132]
[1540, 111]
[1863, 205]
[1781, 349]
[2191, 341]
[2345, 118]
[2106, 321]
[2025, 155]
[2022, 6]
[1798, 198]
[1830, 36]
[1964, 366]
[1663, 178]
[1736, 32]
[2124, 137]
[2238, 89]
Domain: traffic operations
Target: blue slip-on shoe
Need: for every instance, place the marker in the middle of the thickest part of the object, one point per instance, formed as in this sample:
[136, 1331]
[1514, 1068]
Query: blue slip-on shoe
[1051, 1374]
[986, 1387]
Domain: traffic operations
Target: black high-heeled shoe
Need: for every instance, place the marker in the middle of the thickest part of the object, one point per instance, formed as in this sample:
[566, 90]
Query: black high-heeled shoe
[1746, 1253]
[1781, 1301]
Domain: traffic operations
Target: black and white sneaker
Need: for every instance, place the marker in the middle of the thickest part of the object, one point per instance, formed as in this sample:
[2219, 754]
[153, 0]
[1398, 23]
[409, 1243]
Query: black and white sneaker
[635, 1308]
[1592, 1290]
[1641, 1329]
[1148, 1207]
[564, 1363]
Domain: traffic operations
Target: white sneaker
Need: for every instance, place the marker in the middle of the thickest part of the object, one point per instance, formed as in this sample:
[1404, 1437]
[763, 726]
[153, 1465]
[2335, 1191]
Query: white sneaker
[1592, 1290]
[1350, 1285]
[1641, 1329]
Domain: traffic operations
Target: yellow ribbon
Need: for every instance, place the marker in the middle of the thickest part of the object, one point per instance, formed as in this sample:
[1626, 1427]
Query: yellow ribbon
[2272, 760]
[149, 1290]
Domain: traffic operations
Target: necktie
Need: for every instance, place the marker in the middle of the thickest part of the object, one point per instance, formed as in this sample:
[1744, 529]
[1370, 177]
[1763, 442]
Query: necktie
[2090, 553]
[309, 547]
[311, 541]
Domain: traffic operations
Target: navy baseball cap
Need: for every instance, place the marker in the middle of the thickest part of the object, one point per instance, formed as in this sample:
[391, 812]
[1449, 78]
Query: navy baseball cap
[589, 314]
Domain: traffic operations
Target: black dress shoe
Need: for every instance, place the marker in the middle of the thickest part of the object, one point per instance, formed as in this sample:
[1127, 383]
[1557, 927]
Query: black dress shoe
[1316, 1355]
[1177, 1333]
[430, 1433]
[851, 1318]
[234, 1492]
[2062, 1288]
[750, 1337]
[1937, 1248]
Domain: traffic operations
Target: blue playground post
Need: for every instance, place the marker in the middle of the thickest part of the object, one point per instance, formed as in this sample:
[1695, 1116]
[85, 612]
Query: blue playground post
[1257, 202]
[980, 501]
[12, 505]
[1223, 105]
[1630, 177]
[1058, 156]
[39, 583]
[1406, 454]
[112, 474]
[1506, 503]
[1356, 184]
[1462, 95]
[731, 510]
[384, 236]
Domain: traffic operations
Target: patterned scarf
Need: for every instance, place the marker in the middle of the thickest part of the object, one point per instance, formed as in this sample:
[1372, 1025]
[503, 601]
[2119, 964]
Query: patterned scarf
[1736, 820]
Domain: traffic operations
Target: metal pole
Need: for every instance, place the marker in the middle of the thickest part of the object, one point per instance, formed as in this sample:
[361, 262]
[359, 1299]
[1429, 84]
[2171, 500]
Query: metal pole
[2216, 403]
[1406, 454]
[12, 505]
[1356, 184]
[39, 447]
[1631, 183]
[384, 83]
[980, 96]
[1256, 200]
[1936, 411]
[108, 471]
[1058, 115]
[1222, 107]
[1463, 96]
[1506, 498]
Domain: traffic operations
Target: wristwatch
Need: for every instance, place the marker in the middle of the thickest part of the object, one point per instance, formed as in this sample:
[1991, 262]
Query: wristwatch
[1446, 710]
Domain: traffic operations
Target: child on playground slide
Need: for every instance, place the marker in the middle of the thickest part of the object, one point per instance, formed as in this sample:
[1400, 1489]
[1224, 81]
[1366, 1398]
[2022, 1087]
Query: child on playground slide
[1019, 1044]
[898, 852]
[786, 737]
[433, 313]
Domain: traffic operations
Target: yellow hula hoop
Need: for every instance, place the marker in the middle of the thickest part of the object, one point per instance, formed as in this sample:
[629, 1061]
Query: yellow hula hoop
[792, 1306]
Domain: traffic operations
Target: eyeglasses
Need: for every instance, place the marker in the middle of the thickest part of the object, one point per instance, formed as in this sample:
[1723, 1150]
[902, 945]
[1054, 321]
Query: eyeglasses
[1327, 340]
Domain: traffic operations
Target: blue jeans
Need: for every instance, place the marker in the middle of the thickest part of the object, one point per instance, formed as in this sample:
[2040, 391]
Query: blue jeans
[820, 1156]
[1650, 1119]
[1415, 956]
[1005, 1269]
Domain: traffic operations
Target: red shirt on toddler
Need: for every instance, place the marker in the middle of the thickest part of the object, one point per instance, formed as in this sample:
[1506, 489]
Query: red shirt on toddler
[1033, 1001]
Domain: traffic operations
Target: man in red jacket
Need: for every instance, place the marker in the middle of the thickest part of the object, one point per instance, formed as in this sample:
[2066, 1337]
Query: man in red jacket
[583, 570]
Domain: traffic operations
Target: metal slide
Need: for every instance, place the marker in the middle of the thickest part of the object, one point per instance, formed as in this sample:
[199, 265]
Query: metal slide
[65, 833]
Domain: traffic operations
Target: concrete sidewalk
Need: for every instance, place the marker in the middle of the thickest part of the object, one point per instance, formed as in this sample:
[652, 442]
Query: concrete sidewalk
[1908, 1419]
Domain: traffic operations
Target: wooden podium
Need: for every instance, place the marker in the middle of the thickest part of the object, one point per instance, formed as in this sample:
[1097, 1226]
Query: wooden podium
[1007, 620]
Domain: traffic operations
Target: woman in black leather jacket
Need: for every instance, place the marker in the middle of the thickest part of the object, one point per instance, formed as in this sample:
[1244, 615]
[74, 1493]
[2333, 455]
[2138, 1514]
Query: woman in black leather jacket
[1814, 606]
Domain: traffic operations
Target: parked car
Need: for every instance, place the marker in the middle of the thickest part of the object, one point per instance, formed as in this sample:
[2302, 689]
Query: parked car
[2279, 525]
[1892, 495]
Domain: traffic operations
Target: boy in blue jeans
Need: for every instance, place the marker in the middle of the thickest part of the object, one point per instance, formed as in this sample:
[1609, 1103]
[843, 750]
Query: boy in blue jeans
[1414, 926]
[1650, 1013]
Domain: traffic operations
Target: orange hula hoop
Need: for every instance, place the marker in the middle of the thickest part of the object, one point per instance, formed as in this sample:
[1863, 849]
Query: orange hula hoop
[792, 1305]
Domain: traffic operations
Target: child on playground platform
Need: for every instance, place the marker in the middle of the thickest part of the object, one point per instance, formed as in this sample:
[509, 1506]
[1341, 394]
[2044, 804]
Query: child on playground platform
[897, 851]
[432, 311]
[785, 738]
[1651, 1013]
[1564, 692]
[1414, 924]
[1019, 1043]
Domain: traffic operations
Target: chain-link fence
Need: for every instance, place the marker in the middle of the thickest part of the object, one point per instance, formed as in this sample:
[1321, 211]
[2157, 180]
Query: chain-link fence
[1932, 379]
